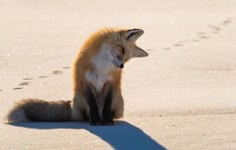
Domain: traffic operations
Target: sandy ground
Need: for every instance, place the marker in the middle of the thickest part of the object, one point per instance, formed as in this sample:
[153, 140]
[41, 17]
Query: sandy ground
[180, 97]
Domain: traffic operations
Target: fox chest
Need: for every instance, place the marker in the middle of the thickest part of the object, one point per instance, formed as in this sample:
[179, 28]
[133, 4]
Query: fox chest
[98, 79]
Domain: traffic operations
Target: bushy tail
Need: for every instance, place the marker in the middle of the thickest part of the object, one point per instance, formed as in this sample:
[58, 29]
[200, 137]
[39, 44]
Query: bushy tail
[39, 110]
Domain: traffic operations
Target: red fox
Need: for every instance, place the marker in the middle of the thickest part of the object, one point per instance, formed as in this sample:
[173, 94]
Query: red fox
[97, 74]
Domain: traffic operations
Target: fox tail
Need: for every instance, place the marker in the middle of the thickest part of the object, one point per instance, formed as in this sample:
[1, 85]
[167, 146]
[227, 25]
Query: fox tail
[38, 110]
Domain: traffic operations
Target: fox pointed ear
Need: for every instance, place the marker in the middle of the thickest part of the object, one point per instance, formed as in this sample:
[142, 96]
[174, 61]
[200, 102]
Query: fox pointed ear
[133, 34]
[138, 52]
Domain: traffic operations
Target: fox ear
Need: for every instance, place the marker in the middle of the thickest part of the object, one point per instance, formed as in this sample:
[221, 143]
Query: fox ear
[138, 52]
[133, 34]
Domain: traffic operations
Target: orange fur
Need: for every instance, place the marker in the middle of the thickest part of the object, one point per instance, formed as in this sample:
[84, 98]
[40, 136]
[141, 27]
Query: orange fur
[119, 48]
[89, 49]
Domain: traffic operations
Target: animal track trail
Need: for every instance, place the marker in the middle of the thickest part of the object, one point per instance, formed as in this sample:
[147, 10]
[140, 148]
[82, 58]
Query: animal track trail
[24, 83]
[27, 80]
[226, 22]
[17, 88]
[150, 51]
[41, 77]
[55, 72]
[202, 35]
[21, 85]
[166, 48]
[213, 30]
[66, 67]
[178, 45]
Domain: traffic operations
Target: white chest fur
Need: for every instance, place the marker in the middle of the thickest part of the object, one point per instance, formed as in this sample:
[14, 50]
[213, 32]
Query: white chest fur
[103, 66]
[98, 79]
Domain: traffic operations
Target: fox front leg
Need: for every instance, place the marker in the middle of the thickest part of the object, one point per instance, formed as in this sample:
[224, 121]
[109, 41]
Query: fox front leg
[107, 112]
[93, 109]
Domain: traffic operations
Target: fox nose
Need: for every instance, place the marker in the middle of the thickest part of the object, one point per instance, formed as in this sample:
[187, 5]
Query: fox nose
[121, 66]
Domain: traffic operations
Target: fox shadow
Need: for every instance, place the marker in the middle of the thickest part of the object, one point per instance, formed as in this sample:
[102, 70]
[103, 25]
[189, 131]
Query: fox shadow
[120, 136]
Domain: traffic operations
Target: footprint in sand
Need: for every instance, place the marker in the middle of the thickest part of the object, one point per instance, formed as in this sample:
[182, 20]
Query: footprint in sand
[204, 37]
[166, 48]
[214, 28]
[17, 88]
[57, 72]
[226, 22]
[150, 50]
[65, 67]
[178, 45]
[27, 79]
[41, 77]
[24, 84]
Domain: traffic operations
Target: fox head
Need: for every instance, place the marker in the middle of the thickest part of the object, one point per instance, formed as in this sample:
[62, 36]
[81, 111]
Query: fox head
[123, 46]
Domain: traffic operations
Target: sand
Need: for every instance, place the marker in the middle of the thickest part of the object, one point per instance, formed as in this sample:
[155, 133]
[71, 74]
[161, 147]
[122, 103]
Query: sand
[180, 97]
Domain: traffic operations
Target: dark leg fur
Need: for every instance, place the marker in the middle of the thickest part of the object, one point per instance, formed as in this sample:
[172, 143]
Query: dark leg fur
[107, 112]
[93, 109]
